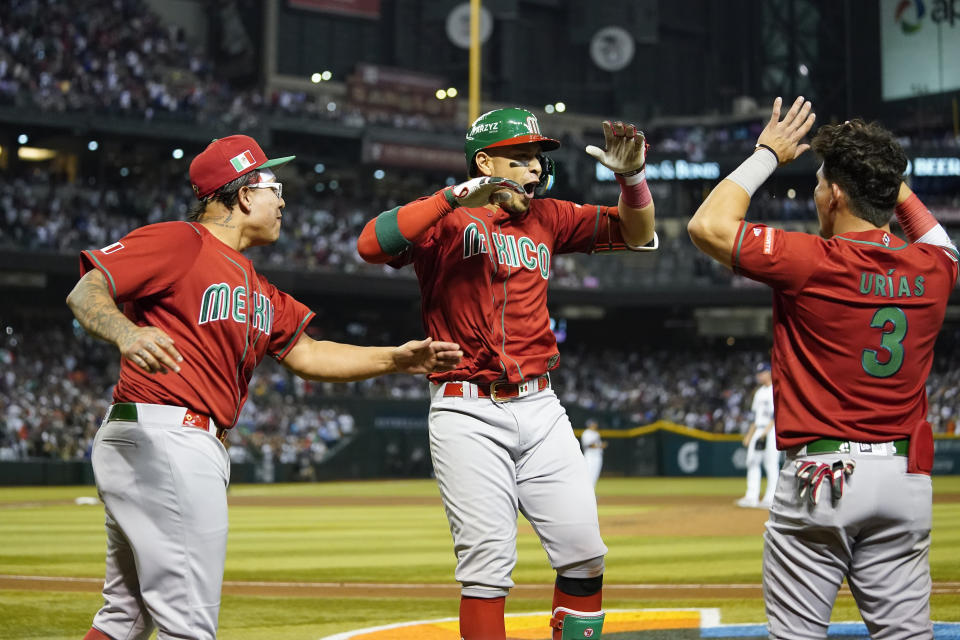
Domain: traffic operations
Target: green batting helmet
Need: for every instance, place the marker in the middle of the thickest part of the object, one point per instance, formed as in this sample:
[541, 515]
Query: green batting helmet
[501, 128]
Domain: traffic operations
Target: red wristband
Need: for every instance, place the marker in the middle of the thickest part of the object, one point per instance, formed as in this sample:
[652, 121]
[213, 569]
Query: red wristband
[636, 195]
[914, 218]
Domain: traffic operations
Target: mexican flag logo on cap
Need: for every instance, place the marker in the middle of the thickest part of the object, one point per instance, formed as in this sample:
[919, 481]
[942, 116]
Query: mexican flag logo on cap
[242, 161]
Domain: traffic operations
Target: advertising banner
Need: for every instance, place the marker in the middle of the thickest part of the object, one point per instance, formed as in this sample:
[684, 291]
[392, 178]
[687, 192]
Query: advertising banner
[920, 44]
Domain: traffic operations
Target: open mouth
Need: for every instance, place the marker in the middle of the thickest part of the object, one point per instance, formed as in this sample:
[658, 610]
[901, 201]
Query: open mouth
[530, 187]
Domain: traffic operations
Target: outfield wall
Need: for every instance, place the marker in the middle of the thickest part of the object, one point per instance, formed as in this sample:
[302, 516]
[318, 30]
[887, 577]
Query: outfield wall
[395, 445]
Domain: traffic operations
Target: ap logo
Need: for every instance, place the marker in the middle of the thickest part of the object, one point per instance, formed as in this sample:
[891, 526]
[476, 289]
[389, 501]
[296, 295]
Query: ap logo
[900, 15]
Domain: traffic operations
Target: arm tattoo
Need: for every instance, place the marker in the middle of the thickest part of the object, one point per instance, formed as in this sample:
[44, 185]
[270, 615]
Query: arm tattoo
[97, 312]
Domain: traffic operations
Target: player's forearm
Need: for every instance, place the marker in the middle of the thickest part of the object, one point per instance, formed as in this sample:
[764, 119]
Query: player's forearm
[96, 310]
[391, 233]
[918, 223]
[636, 209]
[637, 226]
[325, 361]
[713, 228]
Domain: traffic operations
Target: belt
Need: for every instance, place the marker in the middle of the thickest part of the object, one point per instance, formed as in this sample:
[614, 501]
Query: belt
[498, 391]
[826, 445]
[128, 412]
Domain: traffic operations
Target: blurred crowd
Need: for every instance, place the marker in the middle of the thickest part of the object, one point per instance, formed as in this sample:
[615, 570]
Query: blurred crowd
[40, 211]
[118, 58]
[89, 55]
[56, 385]
[700, 142]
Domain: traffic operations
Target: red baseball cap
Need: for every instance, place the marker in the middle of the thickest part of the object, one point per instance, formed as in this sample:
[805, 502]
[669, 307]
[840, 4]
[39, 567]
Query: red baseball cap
[226, 159]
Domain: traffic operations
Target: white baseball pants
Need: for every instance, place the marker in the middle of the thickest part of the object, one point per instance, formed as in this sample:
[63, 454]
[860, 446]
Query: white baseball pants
[492, 459]
[163, 486]
[877, 536]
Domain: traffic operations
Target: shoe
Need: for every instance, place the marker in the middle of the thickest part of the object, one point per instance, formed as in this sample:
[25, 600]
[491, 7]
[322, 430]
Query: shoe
[765, 504]
[747, 503]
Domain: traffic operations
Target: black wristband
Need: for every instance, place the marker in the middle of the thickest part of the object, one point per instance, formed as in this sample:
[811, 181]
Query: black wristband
[627, 174]
[768, 148]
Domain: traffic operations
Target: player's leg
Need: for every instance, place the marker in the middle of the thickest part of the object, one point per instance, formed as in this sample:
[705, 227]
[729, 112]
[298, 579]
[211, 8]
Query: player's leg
[174, 516]
[771, 467]
[752, 497]
[556, 495]
[577, 610]
[482, 618]
[472, 460]
[806, 554]
[890, 573]
[123, 614]
[594, 464]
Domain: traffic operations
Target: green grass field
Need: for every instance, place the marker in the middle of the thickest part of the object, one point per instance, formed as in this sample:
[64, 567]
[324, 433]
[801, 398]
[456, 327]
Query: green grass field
[659, 530]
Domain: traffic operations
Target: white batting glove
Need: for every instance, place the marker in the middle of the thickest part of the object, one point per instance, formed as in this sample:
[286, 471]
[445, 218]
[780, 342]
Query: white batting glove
[626, 148]
[483, 191]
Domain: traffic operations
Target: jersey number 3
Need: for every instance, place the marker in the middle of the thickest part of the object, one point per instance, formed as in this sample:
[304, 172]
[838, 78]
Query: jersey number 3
[891, 341]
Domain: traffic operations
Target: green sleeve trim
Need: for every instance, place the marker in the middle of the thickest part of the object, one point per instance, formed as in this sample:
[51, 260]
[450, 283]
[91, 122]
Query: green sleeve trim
[280, 355]
[874, 244]
[451, 200]
[105, 271]
[388, 233]
[743, 232]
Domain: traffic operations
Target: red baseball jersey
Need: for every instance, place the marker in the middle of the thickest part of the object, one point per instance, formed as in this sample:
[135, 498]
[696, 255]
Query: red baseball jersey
[483, 281]
[222, 316]
[855, 319]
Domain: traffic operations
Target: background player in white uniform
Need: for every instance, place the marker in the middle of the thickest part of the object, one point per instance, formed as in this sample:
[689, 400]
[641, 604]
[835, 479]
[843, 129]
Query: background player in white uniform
[593, 448]
[761, 444]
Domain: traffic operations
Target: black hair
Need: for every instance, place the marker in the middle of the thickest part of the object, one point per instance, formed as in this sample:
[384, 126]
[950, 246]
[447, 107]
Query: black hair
[867, 163]
[227, 195]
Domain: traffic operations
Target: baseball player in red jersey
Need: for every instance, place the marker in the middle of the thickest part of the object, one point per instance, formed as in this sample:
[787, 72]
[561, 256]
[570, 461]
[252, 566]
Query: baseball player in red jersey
[499, 438]
[856, 314]
[196, 320]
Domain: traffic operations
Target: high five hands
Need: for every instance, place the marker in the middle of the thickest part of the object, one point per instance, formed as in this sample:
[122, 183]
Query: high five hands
[783, 137]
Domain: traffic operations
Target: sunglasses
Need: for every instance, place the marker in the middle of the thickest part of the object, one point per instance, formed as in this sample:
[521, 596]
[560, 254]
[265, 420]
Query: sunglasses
[276, 186]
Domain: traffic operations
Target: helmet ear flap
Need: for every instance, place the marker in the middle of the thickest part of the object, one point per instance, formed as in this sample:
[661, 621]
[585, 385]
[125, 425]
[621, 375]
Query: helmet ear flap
[547, 174]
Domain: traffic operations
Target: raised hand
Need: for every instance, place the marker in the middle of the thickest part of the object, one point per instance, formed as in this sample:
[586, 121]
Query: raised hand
[626, 148]
[783, 136]
[426, 356]
[479, 192]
